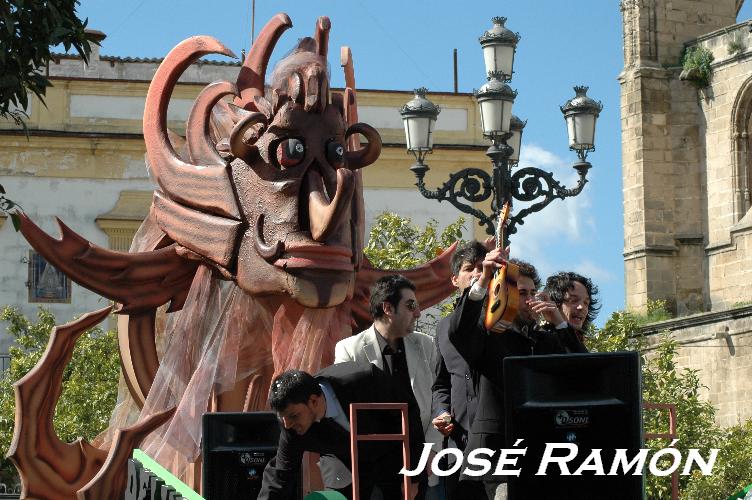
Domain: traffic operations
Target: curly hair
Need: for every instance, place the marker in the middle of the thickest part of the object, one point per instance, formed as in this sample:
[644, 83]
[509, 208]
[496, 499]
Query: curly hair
[560, 283]
[472, 252]
[388, 289]
[528, 270]
[292, 387]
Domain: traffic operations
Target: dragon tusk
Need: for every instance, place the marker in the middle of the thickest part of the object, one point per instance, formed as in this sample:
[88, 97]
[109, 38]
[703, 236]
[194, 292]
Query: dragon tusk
[324, 216]
[208, 189]
[323, 25]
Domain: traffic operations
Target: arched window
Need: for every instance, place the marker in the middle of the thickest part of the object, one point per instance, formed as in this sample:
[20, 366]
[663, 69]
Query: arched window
[741, 152]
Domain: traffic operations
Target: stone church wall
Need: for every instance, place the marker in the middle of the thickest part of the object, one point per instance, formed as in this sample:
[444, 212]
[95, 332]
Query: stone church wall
[687, 174]
[719, 346]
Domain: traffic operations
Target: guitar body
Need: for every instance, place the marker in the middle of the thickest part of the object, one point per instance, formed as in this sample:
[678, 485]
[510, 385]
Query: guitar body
[503, 299]
[503, 296]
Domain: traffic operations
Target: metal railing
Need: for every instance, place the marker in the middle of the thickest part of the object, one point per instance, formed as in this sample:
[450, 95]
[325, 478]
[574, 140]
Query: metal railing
[404, 437]
[671, 434]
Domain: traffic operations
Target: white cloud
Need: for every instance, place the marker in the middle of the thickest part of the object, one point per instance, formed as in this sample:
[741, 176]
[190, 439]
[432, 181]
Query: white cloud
[594, 272]
[568, 218]
[549, 238]
[535, 156]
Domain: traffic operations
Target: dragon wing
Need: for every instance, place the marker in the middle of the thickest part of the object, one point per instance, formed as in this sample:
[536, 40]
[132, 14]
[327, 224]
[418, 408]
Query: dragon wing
[50, 468]
[139, 281]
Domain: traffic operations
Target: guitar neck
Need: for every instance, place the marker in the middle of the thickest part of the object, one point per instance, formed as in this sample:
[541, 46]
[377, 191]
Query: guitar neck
[503, 216]
[500, 234]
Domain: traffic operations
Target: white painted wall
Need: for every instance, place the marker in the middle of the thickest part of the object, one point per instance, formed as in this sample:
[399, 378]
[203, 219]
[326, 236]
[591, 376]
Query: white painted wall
[75, 201]
[123, 107]
[450, 119]
[132, 108]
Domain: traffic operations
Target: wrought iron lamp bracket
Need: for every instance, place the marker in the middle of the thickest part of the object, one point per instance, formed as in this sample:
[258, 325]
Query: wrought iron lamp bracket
[532, 183]
[471, 184]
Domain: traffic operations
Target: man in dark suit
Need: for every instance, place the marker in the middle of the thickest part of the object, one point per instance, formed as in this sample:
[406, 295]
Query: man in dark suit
[454, 388]
[485, 351]
[314, 412]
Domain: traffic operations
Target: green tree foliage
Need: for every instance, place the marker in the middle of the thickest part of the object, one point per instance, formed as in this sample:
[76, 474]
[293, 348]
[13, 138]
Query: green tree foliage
[657, 310]
[697, 63]
[396, 243]
[664, 382]
[28, 28]
[733, 469]
[90, 380]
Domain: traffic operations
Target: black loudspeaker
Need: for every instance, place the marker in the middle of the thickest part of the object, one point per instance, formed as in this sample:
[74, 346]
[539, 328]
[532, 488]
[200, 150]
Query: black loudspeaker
[591, 400]
[235, 449]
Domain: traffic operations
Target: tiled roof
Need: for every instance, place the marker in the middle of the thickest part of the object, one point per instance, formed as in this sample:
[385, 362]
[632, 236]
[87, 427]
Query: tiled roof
[154, 60]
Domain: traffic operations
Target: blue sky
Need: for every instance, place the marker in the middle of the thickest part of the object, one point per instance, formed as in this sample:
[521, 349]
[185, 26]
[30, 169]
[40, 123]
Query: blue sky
[402, 45]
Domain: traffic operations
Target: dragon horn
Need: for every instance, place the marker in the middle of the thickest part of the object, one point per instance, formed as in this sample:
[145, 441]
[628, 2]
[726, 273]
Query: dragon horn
[207, 189]
[323, 25]
[251, 77]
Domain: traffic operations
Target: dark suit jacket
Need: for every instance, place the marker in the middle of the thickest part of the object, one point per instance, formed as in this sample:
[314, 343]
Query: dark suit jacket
[485, 353]
[454, 386]
[378, 461]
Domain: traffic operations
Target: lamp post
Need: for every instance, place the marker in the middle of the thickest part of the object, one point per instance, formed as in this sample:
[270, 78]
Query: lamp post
[505, 183]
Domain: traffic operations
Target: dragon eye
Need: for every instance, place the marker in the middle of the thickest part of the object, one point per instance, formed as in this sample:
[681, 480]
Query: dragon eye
[335, 153]
[290, 152]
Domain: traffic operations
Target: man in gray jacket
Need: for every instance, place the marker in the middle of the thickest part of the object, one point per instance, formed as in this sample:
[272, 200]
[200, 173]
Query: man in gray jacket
[392, 344]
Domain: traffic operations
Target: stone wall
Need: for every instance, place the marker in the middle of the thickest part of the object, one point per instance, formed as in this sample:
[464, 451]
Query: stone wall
[685, 237]
[663, 193]
[726, 116]
[719, 346]
[687, 179]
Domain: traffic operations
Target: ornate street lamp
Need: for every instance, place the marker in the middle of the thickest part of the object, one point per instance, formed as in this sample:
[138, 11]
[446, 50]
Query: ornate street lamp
[499, 45]
[515, 141]
[581, 113]
[495, 99]
[419, 117]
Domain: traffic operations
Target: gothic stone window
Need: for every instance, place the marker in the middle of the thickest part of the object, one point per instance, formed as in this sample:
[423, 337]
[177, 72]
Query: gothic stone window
[741, 135]
[47, 284]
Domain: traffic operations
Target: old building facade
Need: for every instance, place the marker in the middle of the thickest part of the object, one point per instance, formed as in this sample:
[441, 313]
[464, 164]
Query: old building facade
[686, 180]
